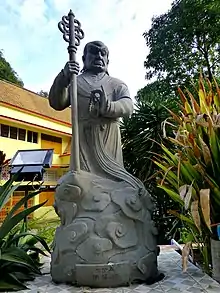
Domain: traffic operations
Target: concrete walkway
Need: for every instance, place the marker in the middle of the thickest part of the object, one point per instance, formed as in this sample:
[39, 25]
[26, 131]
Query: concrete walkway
[194, 280]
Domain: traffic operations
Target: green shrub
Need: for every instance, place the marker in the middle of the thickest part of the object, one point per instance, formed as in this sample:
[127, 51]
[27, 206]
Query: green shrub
[19, 255]
[189, 171]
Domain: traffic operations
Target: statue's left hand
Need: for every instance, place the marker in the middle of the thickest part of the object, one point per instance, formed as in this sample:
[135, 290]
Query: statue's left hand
[99, 104]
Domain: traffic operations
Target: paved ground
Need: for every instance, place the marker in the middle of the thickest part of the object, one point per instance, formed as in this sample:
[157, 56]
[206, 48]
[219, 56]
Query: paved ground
[194, 280]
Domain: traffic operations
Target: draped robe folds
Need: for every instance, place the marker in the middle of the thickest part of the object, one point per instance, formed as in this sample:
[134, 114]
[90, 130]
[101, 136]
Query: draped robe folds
[99, 137]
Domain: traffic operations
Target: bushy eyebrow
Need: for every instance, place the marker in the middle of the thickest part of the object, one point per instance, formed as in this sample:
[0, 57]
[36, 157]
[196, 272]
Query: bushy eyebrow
[102, 49]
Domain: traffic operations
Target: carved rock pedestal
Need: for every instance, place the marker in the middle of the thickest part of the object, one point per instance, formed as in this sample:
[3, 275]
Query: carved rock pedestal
[106, 237]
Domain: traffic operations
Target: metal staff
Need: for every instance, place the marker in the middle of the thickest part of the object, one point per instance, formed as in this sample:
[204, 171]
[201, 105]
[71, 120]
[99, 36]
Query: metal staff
[72, 34]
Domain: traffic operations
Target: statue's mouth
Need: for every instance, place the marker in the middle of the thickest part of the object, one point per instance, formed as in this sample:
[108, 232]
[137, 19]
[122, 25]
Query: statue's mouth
[98, 62]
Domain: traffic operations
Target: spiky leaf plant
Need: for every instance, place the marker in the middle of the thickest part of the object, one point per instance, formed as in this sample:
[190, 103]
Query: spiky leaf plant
[190, 173]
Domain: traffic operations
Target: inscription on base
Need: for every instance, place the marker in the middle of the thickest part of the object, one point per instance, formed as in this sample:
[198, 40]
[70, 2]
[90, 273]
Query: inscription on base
[103, 275]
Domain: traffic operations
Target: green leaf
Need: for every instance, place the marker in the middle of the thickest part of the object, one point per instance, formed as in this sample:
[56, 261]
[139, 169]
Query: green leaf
[175, 196]
[190, 223]
[36, 239]
[10, 282]
[38, 250]
[28, 239]
[20, 203]
[169, 154]
[10, 223]
[8, 188]
[215, 148]
[6, 192]
[25, 276]
[17, 255]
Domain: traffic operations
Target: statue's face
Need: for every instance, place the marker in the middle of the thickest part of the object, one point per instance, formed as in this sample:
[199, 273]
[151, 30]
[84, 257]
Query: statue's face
[96, 58]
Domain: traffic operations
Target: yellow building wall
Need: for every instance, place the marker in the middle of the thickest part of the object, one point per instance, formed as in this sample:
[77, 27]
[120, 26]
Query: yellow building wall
[65, 159]
[65, 142]
[10, 146]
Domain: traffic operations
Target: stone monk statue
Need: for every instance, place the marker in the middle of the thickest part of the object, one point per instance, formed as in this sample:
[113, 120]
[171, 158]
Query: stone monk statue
[107, 237]
[99, 133]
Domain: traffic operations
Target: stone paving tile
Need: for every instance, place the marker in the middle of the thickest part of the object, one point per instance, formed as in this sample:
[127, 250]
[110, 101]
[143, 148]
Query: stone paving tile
[143, 288]
[203, 280]
[194, 280]
[121, 290]
[175, 281]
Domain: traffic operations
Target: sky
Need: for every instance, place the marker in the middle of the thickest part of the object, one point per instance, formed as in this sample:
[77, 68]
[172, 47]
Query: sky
[33, 45]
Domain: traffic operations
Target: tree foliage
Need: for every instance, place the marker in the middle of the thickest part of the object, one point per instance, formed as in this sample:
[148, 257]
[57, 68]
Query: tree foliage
[8, 73]
[43, 93]
[142, 135]
[155, 92]
[184, 41]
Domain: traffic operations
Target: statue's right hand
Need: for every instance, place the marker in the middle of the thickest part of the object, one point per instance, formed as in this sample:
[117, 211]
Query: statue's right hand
[70, 68]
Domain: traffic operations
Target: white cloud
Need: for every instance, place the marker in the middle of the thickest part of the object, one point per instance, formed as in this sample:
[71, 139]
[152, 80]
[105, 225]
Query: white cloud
[34, 46]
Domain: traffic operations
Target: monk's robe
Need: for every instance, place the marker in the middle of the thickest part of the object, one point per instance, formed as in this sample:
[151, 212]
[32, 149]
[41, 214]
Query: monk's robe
[99, 137]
